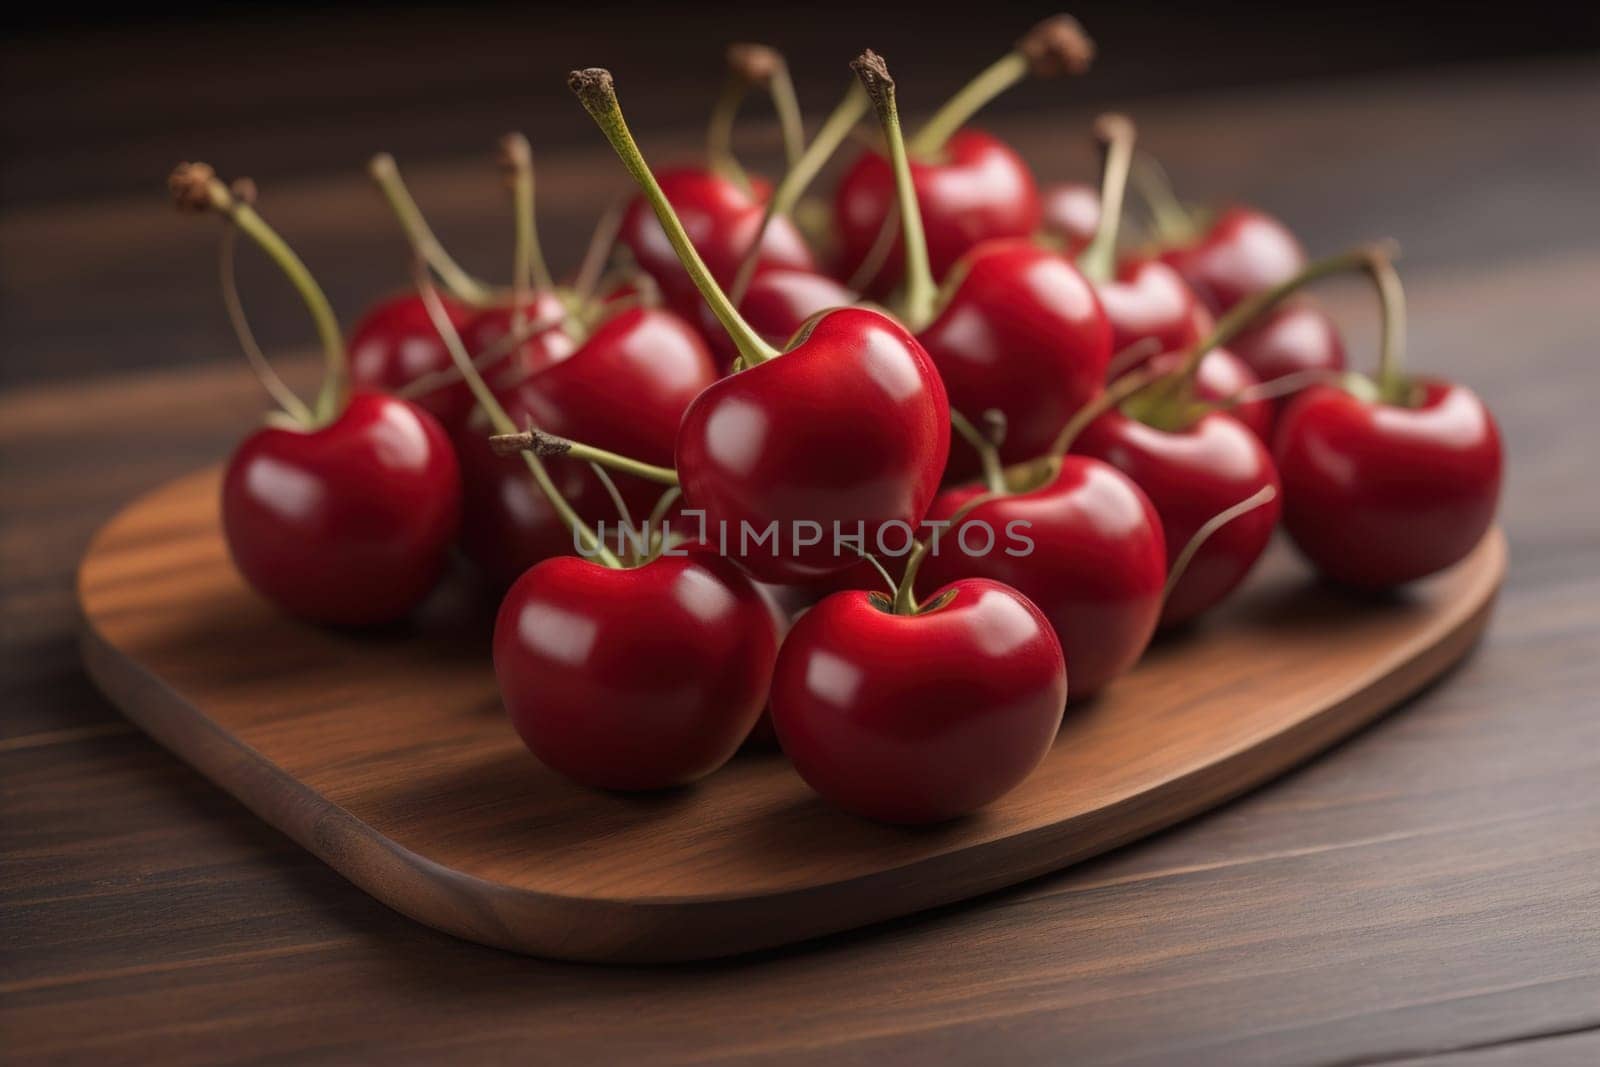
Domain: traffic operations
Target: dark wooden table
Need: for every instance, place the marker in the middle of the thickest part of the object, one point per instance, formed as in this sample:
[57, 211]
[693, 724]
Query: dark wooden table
[1429, 890]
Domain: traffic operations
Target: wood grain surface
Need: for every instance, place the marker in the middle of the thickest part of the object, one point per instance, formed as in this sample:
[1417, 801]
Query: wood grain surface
[1428, 891]
[388, 756]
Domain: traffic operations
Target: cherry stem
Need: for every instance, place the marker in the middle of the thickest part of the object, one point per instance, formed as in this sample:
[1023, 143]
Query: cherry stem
[657, 518]
[719, 132]
[502, 421]
[1131, 356]
[905, 600]
[597, 92]
[1261, 496]
[601, 242]
[921, 292]
[274, 385]
[530, 271]
[1243, 314]
[1052, 48]
[1392, 386]
[763, 65]
[878, 254]
[614, 493]
[802, 172]
[537, 442]
[196, 187]
[1109, 397]
[1287, 385]
[1175, 224]
[457, 281]
[985, 444]
[1116, 135]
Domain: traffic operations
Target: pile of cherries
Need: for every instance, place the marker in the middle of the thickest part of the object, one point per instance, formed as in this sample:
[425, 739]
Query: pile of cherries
[954, 352]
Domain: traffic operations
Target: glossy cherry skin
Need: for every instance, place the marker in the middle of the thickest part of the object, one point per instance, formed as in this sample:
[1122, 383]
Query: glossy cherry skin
[643, 678]
[1243, 252]
[919, 718]
[1190, 476]
[625, 389]
[851, 426]
[1149, 300]
[395, 343]
[978, 189]
[349, 524]
[777, 303]
[1377, 495]
[1095, 568]
[1024, 334]
[721, 219]
[1070, 212]
[1293, 337]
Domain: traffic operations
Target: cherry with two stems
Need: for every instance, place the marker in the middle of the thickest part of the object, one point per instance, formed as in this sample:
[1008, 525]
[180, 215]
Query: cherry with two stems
[1017, 329]
[849, 426]
[722, 209]
[629, 674]
[1390, 480]
[918, 713]
[342, 511]
[971, 185]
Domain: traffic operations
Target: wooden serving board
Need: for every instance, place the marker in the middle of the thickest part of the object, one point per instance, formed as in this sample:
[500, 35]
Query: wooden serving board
[387, 753]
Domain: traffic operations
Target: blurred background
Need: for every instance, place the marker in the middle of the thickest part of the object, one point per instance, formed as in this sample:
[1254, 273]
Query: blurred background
[298, 98]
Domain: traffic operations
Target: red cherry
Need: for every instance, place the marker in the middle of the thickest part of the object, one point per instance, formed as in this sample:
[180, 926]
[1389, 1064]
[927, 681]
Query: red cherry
[1377, 494]
[1022, 334]
[919, 718]
[1388, 481]
[776, 303]
[342, 511]
[349, 523]
[978, 189]
[850, 426]
[1190, 476]
[970, 186]
[641, 678]
[625, 389]
[722, 219]
[1290, 339]
[1070, 212]
[1242, 253]
[1096, 568]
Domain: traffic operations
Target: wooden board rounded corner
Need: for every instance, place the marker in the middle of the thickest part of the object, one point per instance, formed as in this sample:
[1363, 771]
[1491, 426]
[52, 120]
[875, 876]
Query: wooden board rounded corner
[387, 757]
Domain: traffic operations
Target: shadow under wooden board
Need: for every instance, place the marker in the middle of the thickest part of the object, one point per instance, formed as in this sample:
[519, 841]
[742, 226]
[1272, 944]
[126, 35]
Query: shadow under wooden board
[387, 754]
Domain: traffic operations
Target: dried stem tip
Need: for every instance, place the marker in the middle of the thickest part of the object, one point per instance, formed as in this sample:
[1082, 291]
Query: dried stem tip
[515, 156]
[873, 72]
[191, 186]
[1056, 47]
[754, 64]
[594, 88]
[536, 441]
[1112, 127]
